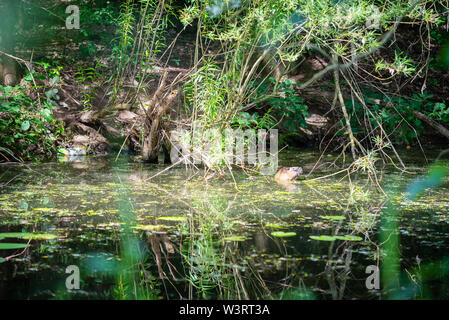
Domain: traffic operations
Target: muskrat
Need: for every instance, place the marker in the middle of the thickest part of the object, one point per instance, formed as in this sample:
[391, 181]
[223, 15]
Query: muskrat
[286, 174]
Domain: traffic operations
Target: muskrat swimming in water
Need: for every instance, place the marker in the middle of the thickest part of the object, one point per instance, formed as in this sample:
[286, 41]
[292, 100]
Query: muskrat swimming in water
[286, 174]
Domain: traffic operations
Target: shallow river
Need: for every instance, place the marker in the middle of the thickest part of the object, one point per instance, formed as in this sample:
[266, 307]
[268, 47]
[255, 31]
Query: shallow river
[176, 235]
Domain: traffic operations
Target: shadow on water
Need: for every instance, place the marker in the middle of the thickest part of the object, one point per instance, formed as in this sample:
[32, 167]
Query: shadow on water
[177, 236]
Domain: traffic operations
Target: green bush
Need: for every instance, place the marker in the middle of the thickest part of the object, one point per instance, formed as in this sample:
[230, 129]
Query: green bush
[396, 114]
[284, 103]
[28, 129]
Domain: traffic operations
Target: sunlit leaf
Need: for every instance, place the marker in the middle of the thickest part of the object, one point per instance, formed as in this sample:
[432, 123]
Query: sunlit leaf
[323, 238]
[277, 226]
[349, 237]
[149, 227]
[334, 218]
[10, 246]
[235, 238]
[172, 218]
[39, 236]
[282, 234]
[25, 235]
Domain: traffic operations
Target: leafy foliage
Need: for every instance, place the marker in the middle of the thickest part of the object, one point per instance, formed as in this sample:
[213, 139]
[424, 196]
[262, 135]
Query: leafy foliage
[284, 103]
[28, 128]
[89, 78]
[255, 121]
[395, 114]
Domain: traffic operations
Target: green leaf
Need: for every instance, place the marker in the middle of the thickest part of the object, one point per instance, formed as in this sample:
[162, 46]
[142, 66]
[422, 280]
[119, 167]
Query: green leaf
[334, 218]
[27, 235]
[323, 238]
[46, 113]
[333, 238]
[149, 227]
[277, 226]
[282, 234]
[7, 107]
[11, 246]
[235, 238]
[40, 236]
[29, 78]
[172, 218]
[349, 237]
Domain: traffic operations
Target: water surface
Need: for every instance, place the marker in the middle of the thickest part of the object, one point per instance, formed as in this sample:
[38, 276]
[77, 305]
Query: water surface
[235, 237]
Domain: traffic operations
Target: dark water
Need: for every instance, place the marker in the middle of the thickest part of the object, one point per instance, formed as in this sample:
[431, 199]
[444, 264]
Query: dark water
[235, 237]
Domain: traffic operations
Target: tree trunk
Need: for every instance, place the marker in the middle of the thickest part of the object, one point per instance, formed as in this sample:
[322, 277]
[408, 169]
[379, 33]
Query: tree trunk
[438, 127]
[151, 142]
[11, 20]
[8, 71]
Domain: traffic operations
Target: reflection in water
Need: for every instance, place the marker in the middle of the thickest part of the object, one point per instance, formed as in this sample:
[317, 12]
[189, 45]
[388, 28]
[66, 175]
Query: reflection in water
[338, 269]
[288, 185]
[139, 235]
[162, 248]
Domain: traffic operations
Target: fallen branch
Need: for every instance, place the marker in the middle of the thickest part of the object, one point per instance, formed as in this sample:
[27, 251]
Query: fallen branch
[438, 127]
[168, 69]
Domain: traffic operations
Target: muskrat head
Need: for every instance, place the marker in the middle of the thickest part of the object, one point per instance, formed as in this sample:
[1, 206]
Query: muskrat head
[288, 173]
[294, 172]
